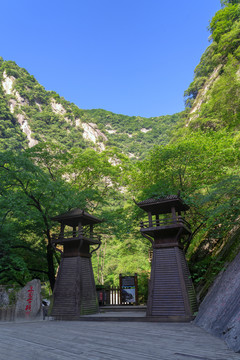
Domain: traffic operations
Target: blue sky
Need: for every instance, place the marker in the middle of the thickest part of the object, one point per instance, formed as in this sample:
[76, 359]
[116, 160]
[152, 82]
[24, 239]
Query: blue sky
[133, 57]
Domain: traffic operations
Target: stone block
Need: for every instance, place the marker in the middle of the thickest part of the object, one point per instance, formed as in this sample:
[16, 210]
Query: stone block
[4, 298]
[29, 303]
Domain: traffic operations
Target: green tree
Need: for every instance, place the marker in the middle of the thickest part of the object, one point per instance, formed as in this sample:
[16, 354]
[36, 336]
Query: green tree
[226, 2]
[223, 20]
[44, 181]
[30, 197]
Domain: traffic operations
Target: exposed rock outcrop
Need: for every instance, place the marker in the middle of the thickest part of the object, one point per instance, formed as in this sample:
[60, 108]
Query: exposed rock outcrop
[202, 94]
[16, 103]
[219, 313]
[144, 130]
[92, 133]
[7, 83]
[26, 129]
[57, 108]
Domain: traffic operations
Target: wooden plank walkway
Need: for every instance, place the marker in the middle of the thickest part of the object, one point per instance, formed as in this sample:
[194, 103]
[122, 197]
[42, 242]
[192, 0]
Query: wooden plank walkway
[80, 340]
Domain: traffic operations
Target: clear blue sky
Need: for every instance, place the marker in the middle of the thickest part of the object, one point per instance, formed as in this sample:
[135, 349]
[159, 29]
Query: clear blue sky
[133, 57]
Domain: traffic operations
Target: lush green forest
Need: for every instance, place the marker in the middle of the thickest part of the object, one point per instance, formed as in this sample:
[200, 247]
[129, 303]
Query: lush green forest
[25, 103]
[49, 164]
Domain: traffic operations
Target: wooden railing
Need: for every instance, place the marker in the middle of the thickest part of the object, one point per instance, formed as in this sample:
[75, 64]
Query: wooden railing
[75, 234]
[164, 222]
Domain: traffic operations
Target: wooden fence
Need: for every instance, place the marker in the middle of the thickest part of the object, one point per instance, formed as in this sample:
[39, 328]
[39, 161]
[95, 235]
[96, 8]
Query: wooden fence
[109, 295]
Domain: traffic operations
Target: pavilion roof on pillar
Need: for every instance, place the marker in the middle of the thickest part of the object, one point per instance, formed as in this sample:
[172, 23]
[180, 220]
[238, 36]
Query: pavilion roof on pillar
[76, 216]
[77, 219]
[172, 206]
[163, 205]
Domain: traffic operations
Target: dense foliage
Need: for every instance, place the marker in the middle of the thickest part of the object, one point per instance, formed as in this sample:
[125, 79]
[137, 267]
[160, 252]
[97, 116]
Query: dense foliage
[135, 135]
[33, 190]
[216, 82]
[205, 168]
[49, 116]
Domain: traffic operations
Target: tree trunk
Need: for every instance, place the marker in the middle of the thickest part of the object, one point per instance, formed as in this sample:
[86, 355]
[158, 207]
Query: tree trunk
[51, 270]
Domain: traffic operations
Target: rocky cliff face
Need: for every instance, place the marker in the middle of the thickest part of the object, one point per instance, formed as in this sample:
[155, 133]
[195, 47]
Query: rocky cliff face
[203, 95]
[213, 96]
[24, 111]
[219, 313]
[15, 102]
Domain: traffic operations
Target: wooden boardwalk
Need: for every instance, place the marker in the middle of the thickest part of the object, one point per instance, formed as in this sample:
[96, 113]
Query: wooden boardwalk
[80, 340]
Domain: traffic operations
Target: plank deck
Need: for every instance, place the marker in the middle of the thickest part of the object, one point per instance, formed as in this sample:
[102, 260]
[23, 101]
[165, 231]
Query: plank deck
[80, 340]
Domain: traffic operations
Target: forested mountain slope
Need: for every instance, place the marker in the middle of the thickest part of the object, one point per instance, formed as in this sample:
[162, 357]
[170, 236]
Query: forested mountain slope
[213, 96]
[54, 167]
[26, 107]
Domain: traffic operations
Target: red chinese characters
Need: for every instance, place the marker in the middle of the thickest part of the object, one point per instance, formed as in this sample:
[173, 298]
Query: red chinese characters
[28, 307]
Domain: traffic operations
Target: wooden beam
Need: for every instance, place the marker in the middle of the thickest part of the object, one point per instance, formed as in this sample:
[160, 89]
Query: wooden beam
[150, 219]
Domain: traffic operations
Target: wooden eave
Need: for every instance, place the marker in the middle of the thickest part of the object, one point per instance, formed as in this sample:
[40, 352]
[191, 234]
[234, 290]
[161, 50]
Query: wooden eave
[163, 205]
[76, 216]
[154, 231]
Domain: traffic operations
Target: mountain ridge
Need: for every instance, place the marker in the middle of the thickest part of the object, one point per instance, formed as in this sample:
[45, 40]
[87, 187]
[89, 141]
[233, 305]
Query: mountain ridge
[43, 114]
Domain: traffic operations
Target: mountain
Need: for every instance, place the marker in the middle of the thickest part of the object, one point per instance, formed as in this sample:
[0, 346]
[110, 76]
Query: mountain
[29, 114]
[213, 96]
[196, 152]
